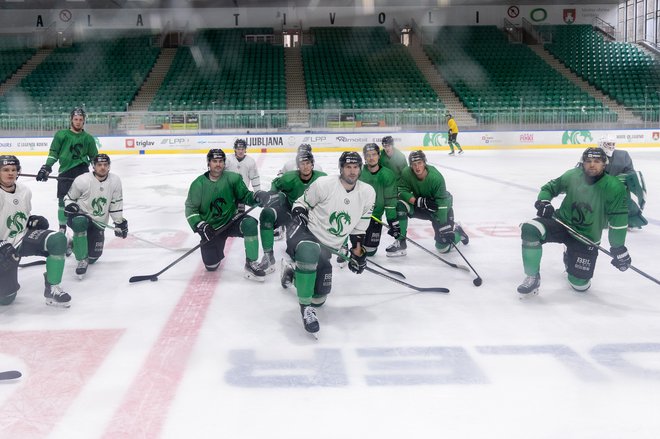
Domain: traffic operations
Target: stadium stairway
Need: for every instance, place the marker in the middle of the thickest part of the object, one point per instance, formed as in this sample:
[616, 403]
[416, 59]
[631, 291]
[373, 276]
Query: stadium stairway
[625, 115]
[439, 85]
[25, 70]
[149, 88]
[296, 94]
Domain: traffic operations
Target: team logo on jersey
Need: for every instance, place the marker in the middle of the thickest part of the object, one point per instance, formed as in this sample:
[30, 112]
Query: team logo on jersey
[98, 206]
[579, 213]
[216, 206]
[338, 220]
[76, 151]
[16, 223]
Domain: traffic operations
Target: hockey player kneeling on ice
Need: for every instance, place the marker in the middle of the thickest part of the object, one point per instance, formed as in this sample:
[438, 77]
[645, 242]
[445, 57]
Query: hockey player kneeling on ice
[332, 209]
[286, 189]
[212, 202]
[23, 234]
[594, 200]
[91, 201]
[423, 195]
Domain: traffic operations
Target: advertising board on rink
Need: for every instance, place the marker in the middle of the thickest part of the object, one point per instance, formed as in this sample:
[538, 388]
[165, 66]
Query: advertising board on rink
[340, 141]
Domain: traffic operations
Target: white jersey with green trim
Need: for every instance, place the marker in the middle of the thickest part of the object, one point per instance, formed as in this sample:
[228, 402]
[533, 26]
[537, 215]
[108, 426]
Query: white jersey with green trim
[99, 199]
[247, 168]
[15, 210]
[334, 212]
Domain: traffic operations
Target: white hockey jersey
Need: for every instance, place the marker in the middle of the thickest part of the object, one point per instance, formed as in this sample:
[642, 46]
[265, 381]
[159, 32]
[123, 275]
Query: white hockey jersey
[247, 168]
[14, 212]
[99, 199]
[334, 213]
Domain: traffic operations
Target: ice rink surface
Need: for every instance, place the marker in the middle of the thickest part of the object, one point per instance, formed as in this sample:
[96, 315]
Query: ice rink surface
[214, 355]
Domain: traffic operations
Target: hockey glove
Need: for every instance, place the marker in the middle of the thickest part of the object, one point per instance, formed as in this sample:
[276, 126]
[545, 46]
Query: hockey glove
[620, 257]
[264, 198]
[37, 222]
[446, 234]
[544, 209]
[358, 262]
[299, 220]
[8, 257]
[205, 230]
[395, 229]
[121, 229]
[71, 209]
[426, 203]
[44, 172]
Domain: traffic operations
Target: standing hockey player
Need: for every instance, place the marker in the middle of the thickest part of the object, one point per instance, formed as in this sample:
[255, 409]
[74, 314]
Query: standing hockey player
[288, 187]
[74, 149]
[245, 165]
[23, 234]
[212, 202]
[331, 209]
[91, 201]
[423, 195]
[385, 184]
[593, 201]
[620, 165]
[452, 134]
[392, 158]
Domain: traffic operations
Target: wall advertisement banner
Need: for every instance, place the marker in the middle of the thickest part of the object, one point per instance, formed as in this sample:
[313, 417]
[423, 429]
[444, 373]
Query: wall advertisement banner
[346, 141]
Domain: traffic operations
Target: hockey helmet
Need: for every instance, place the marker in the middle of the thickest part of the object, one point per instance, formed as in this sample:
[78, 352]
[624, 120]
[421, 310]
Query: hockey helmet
[305, 147]
[349, 157]
[78, 112]
[240, 143]
[370, 147]
[215, 153]
[594, 153]
[8, 160]
[387, 140]
[304, 156]
[607, 145]
[416, 156]
[101, 158]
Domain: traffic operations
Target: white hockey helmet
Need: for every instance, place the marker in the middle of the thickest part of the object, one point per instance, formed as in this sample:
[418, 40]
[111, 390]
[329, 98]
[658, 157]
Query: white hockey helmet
[608, 145]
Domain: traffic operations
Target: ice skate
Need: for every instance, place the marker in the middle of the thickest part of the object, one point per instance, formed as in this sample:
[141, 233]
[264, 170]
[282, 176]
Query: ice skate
[530, 286]
[55, 296]
[286, 274]
[398, 248]
[81, 269]
[460, 151]
[267, 264]
[451, 153]
[310, 321]
[253, 272]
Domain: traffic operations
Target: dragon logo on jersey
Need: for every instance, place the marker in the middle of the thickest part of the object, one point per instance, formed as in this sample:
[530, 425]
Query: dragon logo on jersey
[216, 206]
[576, 137]
[16, 224]
[76, 151]
[435, 139]
[98, 205]
[579, 212]
[338, 220]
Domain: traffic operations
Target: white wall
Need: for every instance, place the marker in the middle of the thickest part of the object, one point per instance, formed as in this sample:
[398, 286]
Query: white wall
[12, 21]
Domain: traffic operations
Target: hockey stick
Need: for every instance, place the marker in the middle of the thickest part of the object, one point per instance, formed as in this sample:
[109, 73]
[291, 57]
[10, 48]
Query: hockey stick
[388, 277]
[32, 264]
[394, 272]
[54, 177]
[10, 375]
[477, 281]
[586, 240]
[154, 277]
[134, 236]
[451, 264]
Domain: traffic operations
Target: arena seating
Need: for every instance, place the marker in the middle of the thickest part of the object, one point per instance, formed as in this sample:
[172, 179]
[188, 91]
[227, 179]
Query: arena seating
[499, 81]
[621, 70]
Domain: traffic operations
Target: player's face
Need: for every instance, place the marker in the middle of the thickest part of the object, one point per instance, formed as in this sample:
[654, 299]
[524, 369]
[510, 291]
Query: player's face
[8, 175]
[240, 152]
[593, 167]
[305, 168]
[419, 169]
[77, 123]
[389, 149]
[350, 173]
[371, 158]
[216, 166]
[101, 169]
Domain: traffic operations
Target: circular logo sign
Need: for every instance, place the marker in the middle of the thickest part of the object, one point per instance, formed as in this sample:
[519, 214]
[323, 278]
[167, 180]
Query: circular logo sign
[513, 11]
[65, 15]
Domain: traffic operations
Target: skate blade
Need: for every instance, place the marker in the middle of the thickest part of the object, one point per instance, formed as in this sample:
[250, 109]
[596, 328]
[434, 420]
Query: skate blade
[396, 255]
[528, 296]
[270, 269]
[56, 304]
[254, 278]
